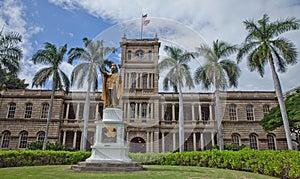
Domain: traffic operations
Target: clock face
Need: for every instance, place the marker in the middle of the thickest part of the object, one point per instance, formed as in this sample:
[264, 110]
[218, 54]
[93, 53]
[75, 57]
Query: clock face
[139, 54]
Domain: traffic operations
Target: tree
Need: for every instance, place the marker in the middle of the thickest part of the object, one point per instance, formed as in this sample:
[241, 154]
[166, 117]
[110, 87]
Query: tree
[10, 81]
[218, 71]
[177, 76]
[53, 57]
[273, 119]
[92, 59]
[10, 53]
[264, 45]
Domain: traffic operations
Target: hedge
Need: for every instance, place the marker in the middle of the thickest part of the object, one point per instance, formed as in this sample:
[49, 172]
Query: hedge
[18, 158]
[283, 164]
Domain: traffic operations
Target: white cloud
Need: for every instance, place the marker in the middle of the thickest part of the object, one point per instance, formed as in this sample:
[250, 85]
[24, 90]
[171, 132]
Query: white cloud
[12, 18]
[213, 19]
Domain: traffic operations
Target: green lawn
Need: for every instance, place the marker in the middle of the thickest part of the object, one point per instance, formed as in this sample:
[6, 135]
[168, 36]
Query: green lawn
[154, 171]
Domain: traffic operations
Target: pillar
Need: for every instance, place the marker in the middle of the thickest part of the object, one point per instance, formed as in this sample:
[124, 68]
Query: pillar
[74, 139]
[201, 141]
[163, 142]
[64, 137]
[194, 141]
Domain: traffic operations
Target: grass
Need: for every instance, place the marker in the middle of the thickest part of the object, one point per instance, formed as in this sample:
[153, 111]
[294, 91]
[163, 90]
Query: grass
[154, 171]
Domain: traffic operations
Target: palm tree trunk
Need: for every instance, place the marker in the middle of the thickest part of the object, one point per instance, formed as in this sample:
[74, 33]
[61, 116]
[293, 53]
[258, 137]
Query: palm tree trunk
[49, 115]
[181, 120]
[219, 119]
[86, 112]
[279, 94]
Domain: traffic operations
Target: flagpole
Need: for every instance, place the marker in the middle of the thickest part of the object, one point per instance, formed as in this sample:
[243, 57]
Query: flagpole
[142, 27]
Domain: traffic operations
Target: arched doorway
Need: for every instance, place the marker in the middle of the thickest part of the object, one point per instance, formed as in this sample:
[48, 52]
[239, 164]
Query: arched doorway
[137, 144]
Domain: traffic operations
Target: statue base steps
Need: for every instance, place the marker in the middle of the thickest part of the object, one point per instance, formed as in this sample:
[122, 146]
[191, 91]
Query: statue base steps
[108, 166]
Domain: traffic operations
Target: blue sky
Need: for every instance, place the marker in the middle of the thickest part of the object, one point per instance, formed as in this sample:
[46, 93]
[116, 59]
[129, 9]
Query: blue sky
[186, 23]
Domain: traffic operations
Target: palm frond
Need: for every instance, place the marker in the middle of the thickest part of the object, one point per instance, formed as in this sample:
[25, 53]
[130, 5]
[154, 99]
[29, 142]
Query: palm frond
[41, 77]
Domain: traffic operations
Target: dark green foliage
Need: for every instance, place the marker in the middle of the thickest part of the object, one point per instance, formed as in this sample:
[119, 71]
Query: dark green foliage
[273, 120]
[18, 158]
[38, 145]
[9, 80]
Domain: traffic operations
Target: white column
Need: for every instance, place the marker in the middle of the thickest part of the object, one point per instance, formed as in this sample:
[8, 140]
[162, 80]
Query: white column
[136, 111]
[148, 80]
[173, 112]
[140, 110]
[174, 141]
[163, 142]
[147, 143]
[148, 115]
[200, 113]
[152, 110]
[128, 110]
[97, 111]
[141, 80]
[74, 139]
[129, 81]
[77, 111]
[152, 141]
[162, 111]
[212, 139]
[210, 112]
[193, 112]
[67, 111]
[194, 141]
[64, 137]
[201, 141]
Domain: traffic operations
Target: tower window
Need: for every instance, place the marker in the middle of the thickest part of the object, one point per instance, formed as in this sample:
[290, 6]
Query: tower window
[129, 55]
[28, 111]
[11, 110]
[249, 111]
[139, 54]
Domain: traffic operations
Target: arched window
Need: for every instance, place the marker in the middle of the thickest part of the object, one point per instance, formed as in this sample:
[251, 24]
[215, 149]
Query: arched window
[5, 140]
[144, 84]
[253, 141]
[11, 110]
[133, 80]
[232, 112]
[150, 55]
[45, 108]
[144, 110]
[249, 111]
[132, 110]
[23, 139]
[271, 142]
[266, 109]
[235, 138]
[129, 55]
[40, 136]
[28, 110]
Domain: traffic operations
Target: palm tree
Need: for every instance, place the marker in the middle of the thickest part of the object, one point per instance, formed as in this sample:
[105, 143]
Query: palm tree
[218, 71]
[177, 76]
[53, 57]
[10, 53]
[92, 61]
[263, 45]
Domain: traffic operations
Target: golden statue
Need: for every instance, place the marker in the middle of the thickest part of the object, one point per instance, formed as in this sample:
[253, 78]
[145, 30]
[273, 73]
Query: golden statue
[111, 87]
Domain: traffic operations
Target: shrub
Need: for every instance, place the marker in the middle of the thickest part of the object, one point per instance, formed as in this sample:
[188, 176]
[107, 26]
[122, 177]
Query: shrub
[38, 145]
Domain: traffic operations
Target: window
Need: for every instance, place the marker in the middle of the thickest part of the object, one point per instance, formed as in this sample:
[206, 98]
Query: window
[133, 80]
[266, 109]
[28, 111]
[150, 55]
[253, 141]
[144, 110]
[23, 139]
[132, 110]
[129, 55]
[11, 110]
[5, 139]
[45, 108]
[249, 111]
[40, 136]
[139, 54]
[144, 81]
[235, 138]
[232, 112]
[271, 142]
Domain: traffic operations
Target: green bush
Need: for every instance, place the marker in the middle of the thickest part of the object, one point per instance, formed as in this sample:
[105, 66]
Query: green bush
[38, 145]
[17, 158]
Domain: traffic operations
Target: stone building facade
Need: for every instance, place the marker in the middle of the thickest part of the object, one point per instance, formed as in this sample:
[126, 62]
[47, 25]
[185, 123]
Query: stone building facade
[151, 115]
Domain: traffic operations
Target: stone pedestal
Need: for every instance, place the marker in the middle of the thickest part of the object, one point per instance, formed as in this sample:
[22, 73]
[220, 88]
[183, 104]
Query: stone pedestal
[110, 151]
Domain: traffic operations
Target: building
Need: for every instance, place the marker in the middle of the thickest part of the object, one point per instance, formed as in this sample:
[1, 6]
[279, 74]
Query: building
[151, 115]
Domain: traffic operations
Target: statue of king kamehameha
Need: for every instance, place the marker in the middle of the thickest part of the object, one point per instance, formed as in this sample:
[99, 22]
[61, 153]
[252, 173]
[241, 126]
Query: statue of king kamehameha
[112, 89]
